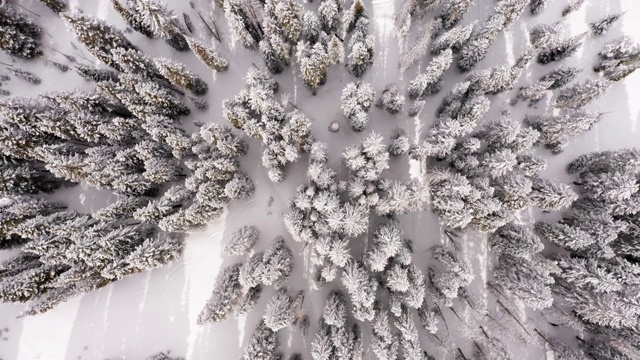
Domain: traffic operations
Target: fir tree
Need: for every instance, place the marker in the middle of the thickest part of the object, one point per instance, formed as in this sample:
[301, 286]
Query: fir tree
[155, 16]
[356, 101]
[180, 76]
[453, 11]
[453, 39]
[430, 81]
[573, 6]
[555, 131]
[551, 194]
[561, 50]
[227, 293]
[314, 64]
[390, 99]
[207, 55]
[85, 27]
[537, 6]
[263, 345]
[20, 35]
[560, 76]
[361, 47]
[132, 18]
[582, 93]
[243, 23]
[242, 240]
[279, 313]
[603, 25]
[515, 240]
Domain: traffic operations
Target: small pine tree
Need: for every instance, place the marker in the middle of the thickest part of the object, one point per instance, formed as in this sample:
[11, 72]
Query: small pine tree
[562, 50]
[263, 345]
[130, 16]
[278, 313]
[314, 64]
[361, 46]
[453, 11]
[573, 6]
[20, 35]
[537, 6]
[430, 81]
[582, 93]
[207, 55]
[390, 99]
[453, 39]
[548, 194]
[155, 16]
[180, 76]
[227, 293]
[603, 25]
[242, 240]
[85, 27]
[356, 101]
[57, 6]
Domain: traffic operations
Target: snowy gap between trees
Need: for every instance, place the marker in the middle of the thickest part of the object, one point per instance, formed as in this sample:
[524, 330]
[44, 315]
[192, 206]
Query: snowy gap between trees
[155, 310]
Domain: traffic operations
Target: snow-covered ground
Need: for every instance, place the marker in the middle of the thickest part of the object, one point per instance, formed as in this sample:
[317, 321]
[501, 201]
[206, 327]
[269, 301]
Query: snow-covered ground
[157, 310]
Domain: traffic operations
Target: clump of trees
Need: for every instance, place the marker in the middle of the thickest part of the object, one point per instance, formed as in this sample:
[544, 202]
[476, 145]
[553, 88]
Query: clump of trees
[257, 112]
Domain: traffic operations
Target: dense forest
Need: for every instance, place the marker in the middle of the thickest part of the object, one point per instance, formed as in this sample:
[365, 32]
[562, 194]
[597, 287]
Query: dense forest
[133, 130]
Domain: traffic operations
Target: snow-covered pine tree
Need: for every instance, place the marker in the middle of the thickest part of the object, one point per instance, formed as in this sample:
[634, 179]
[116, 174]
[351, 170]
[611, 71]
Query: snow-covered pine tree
[504, 14]
[361, 288]
[314, 64]
[361, 47]
[545, 36]
[603, 25]
[453, 11]
[450, 275]
[227, 293]
[430, 81]
[57, 6]
[400, 145]
[561, 50]
[387, 242]
[537, 6]
[20, 35]
[555, 131]
[155, 16]
[573, 6]
[582, 93]
[516, 240]
[527, 279]
[278, 312]
[263, 344]
[132, 18]
[453, 39]
[207, 55]
[242, 240]
[180, 76]
[356, 100]
[384, 342]
[391, 100]
[551, 194]
[618, 59]
[421, 46]
[244, 23]
[329, 12]
[85, 27]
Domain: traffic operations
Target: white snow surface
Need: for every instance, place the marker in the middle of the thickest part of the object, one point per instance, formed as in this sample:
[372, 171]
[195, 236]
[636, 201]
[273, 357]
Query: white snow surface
[157, 310]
